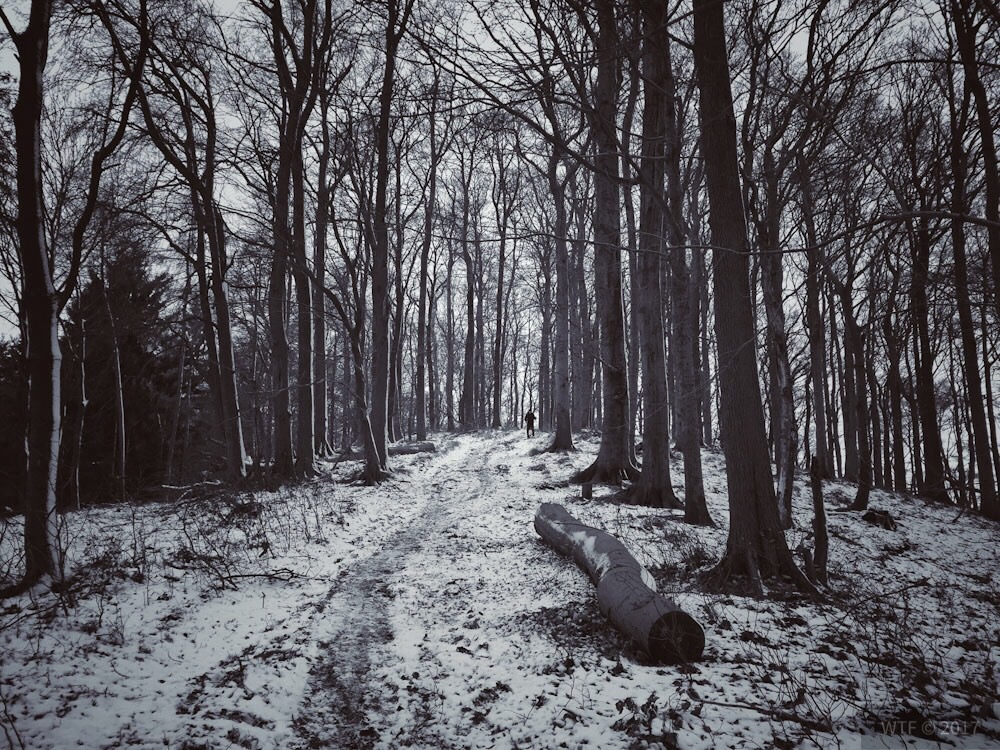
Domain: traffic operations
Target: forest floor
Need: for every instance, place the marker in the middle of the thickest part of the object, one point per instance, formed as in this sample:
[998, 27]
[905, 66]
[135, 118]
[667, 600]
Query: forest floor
[427, 613]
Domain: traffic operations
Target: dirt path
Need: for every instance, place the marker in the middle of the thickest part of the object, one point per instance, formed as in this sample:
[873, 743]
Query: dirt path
[341, 701]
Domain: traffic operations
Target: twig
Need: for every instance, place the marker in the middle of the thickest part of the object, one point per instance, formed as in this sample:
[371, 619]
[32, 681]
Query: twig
[9, 720]
[774, 713]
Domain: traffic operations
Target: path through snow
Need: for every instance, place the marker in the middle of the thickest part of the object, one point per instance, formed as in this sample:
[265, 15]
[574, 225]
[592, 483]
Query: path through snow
[358, 610]
[426, 635]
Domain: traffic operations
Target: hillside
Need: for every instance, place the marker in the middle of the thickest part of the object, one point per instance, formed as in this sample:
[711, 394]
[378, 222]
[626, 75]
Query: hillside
[427, 613]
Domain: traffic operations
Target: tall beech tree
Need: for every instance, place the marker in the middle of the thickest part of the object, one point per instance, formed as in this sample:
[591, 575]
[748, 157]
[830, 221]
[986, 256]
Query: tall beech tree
[653, 487]
[756, 546]
[958, 120]
[614, 458]
[924, 161]
[684, 296]
[42, 299]
[967, 23]
[298, 63]
[396, 20]
[562, 438]
[504, 196]
[439, 135]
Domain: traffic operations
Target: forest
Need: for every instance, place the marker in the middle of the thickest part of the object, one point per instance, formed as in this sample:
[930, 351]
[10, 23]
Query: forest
[247, 243]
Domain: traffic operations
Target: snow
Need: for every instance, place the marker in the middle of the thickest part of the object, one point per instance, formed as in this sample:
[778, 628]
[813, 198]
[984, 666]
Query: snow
[427, 613]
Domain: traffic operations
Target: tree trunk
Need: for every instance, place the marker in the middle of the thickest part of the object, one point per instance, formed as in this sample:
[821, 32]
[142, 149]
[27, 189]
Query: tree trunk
[562, 440]
[854, 338]
[480, 366]
[850, 406]
[502, 217]
[449, 342]
[782, 401]
[933, 479]
[71, 446]
[207, 320]
[583, 352]
[424, 332]
[466, 402]
[321, 382]
[289, 152]
[433, 409]
[395, 388]
[613, 463]
[654, 487]
[872, 408]
[348, 397]
[281, 439]
[374, 463]
[702, 331]
[175, 418]
[395, 26]
[894, 383]
[821, 541]
[41, 303]
[836, 377]
[965, 37]
[756, 546]
[683, 316]
[305, 442]
[631, 244]
[991, 416]
[118, 461]
[973, 377]
[626, 592]
[232, 426]
[815, 326]
[544, 348]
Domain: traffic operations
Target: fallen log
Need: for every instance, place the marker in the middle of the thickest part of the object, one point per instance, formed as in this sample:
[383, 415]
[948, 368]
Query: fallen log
[405, 449]
[626, 592]
[397, 449]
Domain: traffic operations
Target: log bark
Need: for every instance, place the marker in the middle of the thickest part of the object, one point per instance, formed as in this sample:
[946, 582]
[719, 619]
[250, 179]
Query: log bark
[626, 593]
[398, 449]
[407, 449]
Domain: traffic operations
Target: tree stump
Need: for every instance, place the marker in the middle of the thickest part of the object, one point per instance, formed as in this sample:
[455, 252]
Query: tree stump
[881, 518]
[626, 592]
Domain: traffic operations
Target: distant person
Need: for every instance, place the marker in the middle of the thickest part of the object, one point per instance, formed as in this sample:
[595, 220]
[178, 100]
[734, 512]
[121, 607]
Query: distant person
[529, 420]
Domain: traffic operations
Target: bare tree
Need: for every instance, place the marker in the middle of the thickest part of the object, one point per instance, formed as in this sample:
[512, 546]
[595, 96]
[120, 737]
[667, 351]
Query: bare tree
[298, 63]
[397, 18]
[684, 294]
[42, 299]
[653, 487]
[959, 116]
[967, 24]
[176, 96]
[438, 142]
[756, 546]
[614, 457]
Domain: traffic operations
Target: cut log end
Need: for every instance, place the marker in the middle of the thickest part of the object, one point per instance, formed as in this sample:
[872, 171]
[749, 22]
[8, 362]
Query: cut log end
[676, 638]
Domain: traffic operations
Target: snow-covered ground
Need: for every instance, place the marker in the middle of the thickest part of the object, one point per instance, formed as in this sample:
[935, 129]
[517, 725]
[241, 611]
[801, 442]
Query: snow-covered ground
[427, 613]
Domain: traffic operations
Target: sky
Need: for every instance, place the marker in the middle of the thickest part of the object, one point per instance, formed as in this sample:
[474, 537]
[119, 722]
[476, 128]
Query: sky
[15, 12]
[8, 64]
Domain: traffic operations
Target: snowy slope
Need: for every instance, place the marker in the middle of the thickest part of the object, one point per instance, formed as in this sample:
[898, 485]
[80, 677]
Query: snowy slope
[427, 613]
